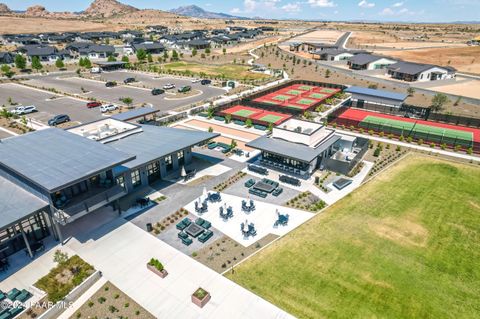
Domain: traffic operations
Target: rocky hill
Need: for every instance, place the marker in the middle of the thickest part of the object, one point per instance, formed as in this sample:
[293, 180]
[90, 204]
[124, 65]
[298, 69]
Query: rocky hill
[197, 12]
[4, 8]
[36, 11]
[108, 8]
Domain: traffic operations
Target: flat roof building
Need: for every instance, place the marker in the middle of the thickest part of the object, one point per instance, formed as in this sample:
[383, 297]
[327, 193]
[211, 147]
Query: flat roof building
[361, 95]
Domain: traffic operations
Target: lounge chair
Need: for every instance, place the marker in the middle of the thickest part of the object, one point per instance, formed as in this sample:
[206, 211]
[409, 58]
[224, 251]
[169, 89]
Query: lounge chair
[206, 224]
[182, 235]
[187, 241]
[5, 314]
[13, 294]
[199, 221]
[181, 225]
[23, 296]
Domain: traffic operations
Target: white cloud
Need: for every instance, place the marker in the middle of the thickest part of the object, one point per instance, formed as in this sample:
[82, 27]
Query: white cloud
[235, 10]
[291, 7]
[398, 4]
[250, 6]
[321, 3]
[387, 12]
[366, 4]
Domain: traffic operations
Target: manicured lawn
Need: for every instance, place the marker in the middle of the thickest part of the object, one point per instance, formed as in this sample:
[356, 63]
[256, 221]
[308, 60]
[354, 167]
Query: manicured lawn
[406, 245]
[231, 71]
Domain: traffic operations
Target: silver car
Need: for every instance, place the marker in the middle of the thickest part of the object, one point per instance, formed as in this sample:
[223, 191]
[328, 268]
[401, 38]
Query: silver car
[21, 110]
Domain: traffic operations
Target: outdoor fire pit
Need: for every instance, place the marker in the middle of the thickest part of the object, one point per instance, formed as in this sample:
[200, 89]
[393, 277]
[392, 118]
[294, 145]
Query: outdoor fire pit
[194, 230]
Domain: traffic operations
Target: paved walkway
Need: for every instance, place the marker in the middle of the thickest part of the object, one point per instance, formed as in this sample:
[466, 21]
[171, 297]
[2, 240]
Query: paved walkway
[121, 250]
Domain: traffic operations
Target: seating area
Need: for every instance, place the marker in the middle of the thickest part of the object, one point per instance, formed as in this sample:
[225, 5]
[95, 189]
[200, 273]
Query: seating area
[283, 167]
[12, 302]
[290, 180]
[257, 169]
[258, 192]
[282, 220]
[203, 208]
[227, 213]
[214, 197]
[189, 230]
[225, 147]
[248, 208]
[263, 188]
[248, 229]
[277, 191]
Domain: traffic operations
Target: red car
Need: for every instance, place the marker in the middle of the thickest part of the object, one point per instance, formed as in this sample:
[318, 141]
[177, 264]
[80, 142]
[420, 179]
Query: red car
[93, 104]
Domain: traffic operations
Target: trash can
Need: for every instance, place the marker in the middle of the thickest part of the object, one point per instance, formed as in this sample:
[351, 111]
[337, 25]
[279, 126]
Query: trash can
[149, 227]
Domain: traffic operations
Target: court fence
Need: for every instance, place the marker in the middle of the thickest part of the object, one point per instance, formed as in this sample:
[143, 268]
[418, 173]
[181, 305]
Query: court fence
[410, 132]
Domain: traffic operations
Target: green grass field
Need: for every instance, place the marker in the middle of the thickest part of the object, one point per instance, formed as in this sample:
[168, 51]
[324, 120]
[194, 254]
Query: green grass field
[406, 245]
[230, 71]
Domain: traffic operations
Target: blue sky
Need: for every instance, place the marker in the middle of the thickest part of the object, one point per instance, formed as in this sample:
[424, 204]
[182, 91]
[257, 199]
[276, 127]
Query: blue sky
[385, 10]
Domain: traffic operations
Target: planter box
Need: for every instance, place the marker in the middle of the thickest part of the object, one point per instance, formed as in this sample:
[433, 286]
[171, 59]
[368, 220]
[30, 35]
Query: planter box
[201, 302]
[162, 273]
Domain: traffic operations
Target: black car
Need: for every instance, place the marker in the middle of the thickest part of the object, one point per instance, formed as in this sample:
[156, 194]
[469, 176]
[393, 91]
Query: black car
[206, 82]
[157, 91]
[129, 80]
[58, 119]
[110, 84]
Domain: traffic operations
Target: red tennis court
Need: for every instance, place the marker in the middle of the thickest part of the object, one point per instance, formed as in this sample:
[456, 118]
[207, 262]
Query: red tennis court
[257, 115]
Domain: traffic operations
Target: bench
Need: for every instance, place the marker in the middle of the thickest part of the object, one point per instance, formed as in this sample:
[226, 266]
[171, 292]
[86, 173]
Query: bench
[219, 118]
[13, 294]
[238, 122]
[257, 169]
[187, 241]
[260, 127]
[257, 192]
[249, 183]
[205, 236]
[277, 191]
[23, 296]
[211, 146]
[182, 235]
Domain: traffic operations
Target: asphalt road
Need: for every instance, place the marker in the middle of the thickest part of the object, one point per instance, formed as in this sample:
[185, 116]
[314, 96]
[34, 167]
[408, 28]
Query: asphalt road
[46, 106]
[96, 89]
[4, 134]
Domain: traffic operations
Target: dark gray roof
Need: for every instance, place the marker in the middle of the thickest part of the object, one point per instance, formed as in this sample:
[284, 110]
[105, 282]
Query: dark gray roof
[362, 59]
[339, 51]
[133, 114]
[292, 150]
[53, 158]
[156, 142]
[377, 93]
[97, 48]
[38, 50]
[412, 68]
[148, 46]
[16, 203]
[110, 63]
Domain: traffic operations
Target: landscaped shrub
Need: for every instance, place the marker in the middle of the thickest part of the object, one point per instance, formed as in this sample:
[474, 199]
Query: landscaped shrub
[377, 151]
[156, 263]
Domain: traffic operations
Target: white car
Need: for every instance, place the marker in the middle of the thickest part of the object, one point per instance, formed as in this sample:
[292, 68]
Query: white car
[20, 110]
[95, 70]
[108, 108]
[196, 80]
[169, 86]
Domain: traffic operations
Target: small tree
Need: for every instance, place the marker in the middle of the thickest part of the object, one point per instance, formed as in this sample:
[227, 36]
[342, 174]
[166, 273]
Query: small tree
[127, 100]
[7, 71]
[60, 257]
[224, 51]
[174, 55]
[81, 62]
[36, 64]
[165, 55]
[87, 63]
[194, 52]
[20, 62]
[438, 102]
[248, 123]
[59, 64]
[207, 51]
[328, 73]
[410, 91]
[210, 111]
[210, 129]
[149, 58]
[233, 144]
[111, 58]
[141, 55]
[228, 118]
[125, 59]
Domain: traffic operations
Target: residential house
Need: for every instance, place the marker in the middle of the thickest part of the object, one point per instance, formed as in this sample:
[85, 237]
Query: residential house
[45, 53]
[366, 61]
[419, 72]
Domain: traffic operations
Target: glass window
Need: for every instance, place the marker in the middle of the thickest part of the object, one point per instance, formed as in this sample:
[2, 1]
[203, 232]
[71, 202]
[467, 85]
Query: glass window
[136, 180]
[121, 180]
[153, 169]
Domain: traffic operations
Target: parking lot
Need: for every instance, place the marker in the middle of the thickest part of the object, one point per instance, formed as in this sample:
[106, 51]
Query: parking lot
[96, 89]
[47, 104]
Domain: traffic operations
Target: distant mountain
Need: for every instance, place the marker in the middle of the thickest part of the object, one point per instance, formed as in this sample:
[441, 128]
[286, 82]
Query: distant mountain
[197, 12]
[108, 8]
[4, 8]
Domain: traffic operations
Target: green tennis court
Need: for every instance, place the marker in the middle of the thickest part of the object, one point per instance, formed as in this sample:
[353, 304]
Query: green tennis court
[380, 121]
[318, 96]
[454, 134]
[295, 92]
[305, 102]
[243, 113]
[282, 98]
[327, 90]
[270, 118]
[306, 87]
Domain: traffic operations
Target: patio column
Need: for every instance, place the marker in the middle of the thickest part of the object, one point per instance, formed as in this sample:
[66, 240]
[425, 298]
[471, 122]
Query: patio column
[59, 232]
[51, 227]
[26, 240]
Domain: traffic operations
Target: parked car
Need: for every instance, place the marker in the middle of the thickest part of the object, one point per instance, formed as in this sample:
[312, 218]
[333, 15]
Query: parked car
[206, 82]
[108, 108]
[95, 70]
[196, 80]
[169, 86]
[58, 119]
[20, 110]
[157, 91]
[93, 104]
[129, 80]
[110, 84]
[184, 89]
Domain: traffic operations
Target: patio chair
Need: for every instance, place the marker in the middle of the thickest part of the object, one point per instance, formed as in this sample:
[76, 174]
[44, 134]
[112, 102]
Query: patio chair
[181, 225]
[199, 221]
[23, 296]
[187, 241]
[197, 209]
[182, 235]
[229, 212]
[13, 294]
[206, 224]
[251, 230]
[187, 221]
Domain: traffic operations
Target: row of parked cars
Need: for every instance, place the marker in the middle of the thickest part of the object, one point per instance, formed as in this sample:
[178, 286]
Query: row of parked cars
[169, 86]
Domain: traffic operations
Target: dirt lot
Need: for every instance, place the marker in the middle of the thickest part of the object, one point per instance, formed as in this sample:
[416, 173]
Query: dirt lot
[469, 88]
[35, 25]
[323, 36]
[465, 59]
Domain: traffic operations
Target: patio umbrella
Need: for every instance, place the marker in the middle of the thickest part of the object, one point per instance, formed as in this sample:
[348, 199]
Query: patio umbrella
[204, 193]
[183, 173]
